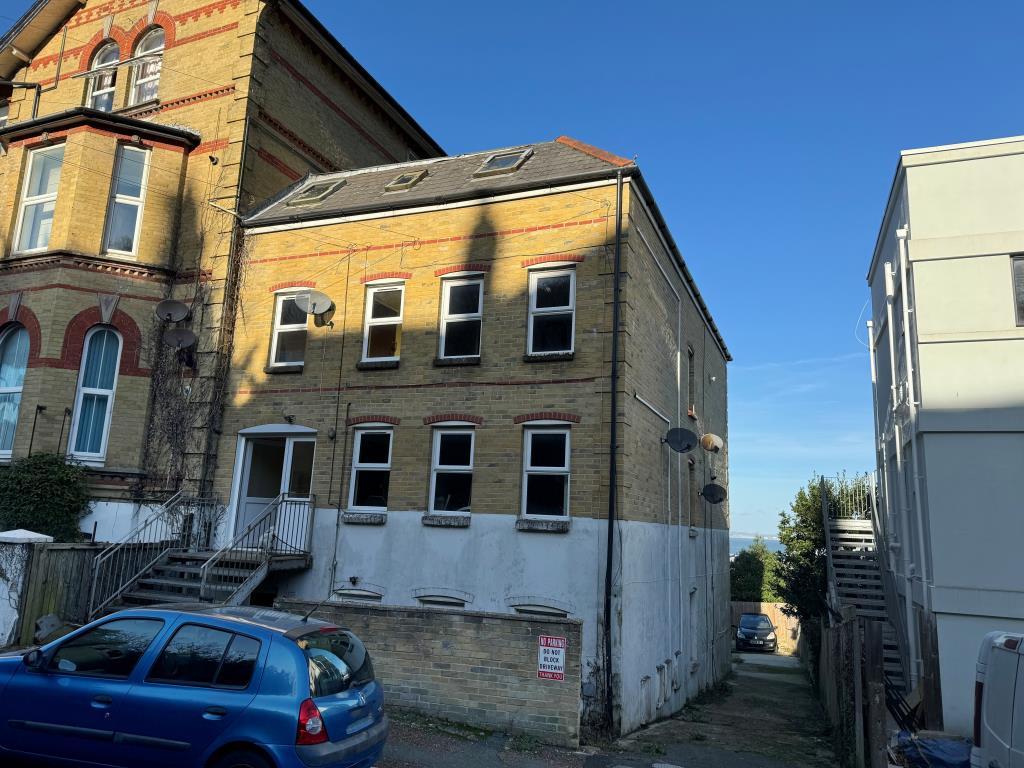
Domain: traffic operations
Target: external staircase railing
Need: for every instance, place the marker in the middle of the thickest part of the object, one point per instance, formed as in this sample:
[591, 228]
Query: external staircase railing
[893, 604]
[283, 528]
[182, 523]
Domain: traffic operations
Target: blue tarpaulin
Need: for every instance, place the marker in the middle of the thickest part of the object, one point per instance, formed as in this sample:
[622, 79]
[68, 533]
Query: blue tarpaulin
[935, 751]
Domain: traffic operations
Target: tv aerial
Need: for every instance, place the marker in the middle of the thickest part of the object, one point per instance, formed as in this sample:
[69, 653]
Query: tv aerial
[317, 304]
[171, 311]
[680, 440]
[713, 493]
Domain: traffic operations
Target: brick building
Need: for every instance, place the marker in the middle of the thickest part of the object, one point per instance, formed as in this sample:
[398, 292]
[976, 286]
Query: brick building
[450, 422]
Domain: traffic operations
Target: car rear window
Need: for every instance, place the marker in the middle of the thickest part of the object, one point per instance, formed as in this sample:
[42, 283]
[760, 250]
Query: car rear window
[338, 660]
[755, 622]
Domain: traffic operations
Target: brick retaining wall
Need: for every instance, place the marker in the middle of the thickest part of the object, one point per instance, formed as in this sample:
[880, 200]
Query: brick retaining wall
[469, 667]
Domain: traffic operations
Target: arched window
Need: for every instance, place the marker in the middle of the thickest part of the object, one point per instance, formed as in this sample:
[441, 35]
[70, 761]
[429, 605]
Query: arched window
[13, 360]
[104, 77]
[94, 401]
[146, 83]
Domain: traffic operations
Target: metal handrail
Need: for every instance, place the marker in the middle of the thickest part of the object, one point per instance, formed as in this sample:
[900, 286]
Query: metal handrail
[175, 526]
[283, 527]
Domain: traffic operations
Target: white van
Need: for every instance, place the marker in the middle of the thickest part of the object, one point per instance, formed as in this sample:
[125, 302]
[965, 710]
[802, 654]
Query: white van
[998, 722]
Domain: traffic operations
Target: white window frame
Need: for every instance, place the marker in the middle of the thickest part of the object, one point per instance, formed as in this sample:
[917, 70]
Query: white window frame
[133, 97]
[447, 316]
[5, 335]
[450, 469]
[357, 466]
[81, 391]
[279, 327]
[535, 312]
[99, 71]
[26, 200]
[5, 113]
[369, 322]
[139, 202]
[528, 469]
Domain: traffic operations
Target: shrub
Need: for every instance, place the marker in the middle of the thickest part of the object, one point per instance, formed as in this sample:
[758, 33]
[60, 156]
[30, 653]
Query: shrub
[45, 493]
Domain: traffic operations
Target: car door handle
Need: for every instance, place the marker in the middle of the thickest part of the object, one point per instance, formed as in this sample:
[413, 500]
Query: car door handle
[214, 713]
[102, 701]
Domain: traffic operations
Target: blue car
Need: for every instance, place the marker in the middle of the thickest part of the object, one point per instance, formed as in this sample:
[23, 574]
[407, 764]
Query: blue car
[209, 687]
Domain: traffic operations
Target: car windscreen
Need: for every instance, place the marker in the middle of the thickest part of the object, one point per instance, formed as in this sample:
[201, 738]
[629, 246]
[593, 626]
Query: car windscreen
[755, 622]
[338, 660]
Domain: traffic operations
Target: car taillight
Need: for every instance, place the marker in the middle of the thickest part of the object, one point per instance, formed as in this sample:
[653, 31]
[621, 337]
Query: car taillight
[311, 725]
[979, 693]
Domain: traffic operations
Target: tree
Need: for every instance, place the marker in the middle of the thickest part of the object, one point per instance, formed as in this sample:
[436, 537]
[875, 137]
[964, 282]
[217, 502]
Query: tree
[802, 566]
[44, 493]
[753, 574]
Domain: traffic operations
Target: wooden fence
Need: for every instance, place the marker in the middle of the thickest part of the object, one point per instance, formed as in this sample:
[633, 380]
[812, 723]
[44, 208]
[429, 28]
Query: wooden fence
[787, 628]
[57, 580]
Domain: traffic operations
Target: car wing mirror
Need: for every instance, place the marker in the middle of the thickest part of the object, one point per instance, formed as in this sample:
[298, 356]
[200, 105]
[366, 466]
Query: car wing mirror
[34, 659]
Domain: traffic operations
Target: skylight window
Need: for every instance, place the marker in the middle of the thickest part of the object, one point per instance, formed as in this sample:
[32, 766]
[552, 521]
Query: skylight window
[503, 162]
[314, 193]
[405, 181]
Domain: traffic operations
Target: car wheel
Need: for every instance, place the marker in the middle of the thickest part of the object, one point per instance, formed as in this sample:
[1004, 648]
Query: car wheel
[241, 758]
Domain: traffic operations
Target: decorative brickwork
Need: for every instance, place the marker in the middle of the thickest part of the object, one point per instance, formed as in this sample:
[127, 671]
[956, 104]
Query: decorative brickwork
[551, 258]
[547, 416]
[438, 418]
[291, 284]
[74, 342]
[471, 267]
[385, 276]
[28, 320]
[374, 419]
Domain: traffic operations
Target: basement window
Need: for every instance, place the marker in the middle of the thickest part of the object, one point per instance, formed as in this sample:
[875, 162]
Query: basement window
[405, 181]
[503, 162]
[362, 595]
[315, 193]
[441, 601]
[540, 610]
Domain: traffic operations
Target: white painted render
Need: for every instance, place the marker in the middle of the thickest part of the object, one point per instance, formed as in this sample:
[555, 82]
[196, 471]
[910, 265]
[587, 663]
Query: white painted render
[113, 520]
[949, 415]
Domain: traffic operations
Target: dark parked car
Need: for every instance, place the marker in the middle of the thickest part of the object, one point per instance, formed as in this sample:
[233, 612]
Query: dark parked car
[213, 687]
[755, 632]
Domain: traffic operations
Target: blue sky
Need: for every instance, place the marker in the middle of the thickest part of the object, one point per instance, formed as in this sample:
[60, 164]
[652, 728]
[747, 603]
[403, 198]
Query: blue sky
[769, 133]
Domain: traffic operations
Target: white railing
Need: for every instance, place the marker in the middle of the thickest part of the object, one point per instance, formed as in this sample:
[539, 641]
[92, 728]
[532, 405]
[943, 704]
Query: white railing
[181, 524]
[283, 528]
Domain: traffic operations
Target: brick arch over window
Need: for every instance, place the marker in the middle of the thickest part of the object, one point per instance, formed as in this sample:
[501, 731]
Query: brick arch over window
[131, 337]
[117, 35]
[163, 20]
[28, 320]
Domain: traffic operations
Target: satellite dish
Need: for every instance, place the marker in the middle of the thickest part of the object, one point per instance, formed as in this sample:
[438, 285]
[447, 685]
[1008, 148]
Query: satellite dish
[171, 311]
[713, 493]
[179, 338]
[680, 440]
[712, 443]
[314, 302]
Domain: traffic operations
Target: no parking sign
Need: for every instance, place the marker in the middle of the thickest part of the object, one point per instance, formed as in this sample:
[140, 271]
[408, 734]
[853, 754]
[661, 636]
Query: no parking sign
[551, 657]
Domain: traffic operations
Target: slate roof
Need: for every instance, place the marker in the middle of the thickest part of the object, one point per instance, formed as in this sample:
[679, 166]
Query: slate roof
[448, 179]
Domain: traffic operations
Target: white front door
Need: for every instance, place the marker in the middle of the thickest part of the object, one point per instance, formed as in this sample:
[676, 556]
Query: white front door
[272, 467]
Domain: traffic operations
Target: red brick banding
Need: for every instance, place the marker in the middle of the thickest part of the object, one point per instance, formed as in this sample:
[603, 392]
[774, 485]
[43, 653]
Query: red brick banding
[275, 162]
[385, 276]
[160, 19]
[577, 258]
[589, 149]
[374, 419]
[74, 342]
[28, 320]
[116, 35]
[429, 385]
[440, 417]
[184, 101]
[472, 267]
[547, 416]
[215, 145]
[292, 284]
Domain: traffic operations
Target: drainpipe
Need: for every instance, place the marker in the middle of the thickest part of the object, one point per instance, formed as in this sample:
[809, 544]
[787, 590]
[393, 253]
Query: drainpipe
[902, 235]
[908, 567]
[613, 436]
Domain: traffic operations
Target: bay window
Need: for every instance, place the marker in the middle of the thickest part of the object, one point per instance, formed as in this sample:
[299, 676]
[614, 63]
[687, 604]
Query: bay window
[39, 199]
[94, 401]
[546, 472]
[13, 361]
[124, 219]
[552, 311]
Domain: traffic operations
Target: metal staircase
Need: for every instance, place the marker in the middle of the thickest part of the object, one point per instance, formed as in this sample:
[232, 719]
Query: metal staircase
[856, 571]
[172, 558]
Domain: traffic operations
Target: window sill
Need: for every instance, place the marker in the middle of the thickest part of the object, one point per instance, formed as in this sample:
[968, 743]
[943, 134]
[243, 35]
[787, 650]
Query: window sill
[377, 365]
[297, 368]
[142, 106]
[547, 357]
[445, 521]
[452, 362]
[364, 518]
[543, 526]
